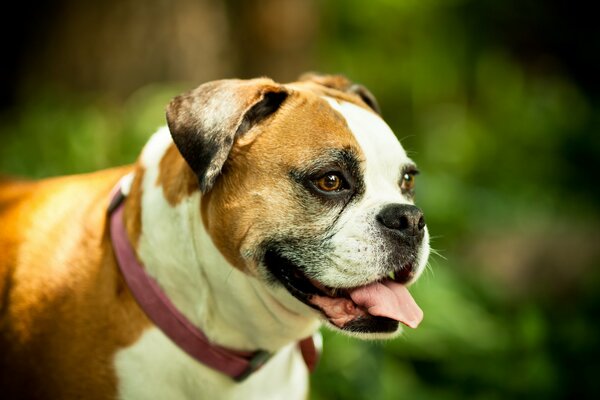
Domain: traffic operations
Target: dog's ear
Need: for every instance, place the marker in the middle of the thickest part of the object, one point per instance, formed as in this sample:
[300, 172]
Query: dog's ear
[205, 122]
[366, 96]
[341, 83]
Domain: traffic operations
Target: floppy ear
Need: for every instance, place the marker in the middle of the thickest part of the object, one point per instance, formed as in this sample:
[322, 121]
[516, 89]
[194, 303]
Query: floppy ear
[341, 83]
[366, 96]
[205, 122]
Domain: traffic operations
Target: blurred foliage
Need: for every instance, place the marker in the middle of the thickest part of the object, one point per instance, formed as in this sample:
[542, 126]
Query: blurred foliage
[57, 132]
[509, 149]
[506, 145]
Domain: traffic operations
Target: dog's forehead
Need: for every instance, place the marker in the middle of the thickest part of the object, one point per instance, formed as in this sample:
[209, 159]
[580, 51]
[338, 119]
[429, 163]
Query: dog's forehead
[306, 128]
[384, 155]
[370, 131]
[312, 123]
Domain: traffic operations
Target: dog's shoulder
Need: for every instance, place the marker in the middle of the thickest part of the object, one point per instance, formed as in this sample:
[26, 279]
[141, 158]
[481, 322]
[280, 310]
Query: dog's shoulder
[46, 224]
[57, 276]
[44, 221]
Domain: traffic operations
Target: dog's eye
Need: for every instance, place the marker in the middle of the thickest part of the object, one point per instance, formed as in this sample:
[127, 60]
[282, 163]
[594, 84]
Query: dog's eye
[330, 182]
[408, 182]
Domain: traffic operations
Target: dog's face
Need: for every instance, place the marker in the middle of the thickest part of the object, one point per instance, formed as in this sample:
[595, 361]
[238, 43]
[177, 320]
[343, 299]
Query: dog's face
[307, 189]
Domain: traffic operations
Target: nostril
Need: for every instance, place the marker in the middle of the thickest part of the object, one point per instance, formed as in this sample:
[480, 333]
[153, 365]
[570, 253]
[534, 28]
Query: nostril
[403, 222]
[403, 218]
[421, 223]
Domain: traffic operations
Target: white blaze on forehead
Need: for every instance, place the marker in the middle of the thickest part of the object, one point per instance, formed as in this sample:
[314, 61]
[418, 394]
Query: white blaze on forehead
[384, 155]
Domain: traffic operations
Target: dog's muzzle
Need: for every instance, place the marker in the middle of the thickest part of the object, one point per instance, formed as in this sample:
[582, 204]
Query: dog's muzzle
[379, 304]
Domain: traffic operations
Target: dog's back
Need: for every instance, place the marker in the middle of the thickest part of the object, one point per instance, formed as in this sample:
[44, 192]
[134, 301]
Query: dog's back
[12, 193]
[57, 327]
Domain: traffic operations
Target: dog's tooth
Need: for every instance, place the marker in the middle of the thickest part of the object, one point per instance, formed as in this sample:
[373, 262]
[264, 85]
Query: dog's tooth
[392, 275]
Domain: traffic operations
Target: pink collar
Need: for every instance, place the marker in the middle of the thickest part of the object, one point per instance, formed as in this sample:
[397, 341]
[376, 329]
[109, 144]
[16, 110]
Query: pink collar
[157, 306]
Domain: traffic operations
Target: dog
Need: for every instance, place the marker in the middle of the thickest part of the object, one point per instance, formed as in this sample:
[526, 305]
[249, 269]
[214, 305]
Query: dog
[260, 212]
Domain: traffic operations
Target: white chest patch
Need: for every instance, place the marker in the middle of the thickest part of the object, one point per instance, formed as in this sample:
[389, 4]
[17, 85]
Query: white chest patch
[155, 368]
[179, 254]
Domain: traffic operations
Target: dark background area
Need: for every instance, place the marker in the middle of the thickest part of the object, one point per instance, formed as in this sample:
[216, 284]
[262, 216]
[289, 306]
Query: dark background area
[497, 101]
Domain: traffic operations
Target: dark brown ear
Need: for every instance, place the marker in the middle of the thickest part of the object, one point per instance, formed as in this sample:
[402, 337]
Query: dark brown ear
[366, 96]
[205, 122]
[341, 83]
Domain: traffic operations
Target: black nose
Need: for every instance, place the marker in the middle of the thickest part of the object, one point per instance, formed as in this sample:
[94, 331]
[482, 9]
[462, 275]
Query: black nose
[404, 218]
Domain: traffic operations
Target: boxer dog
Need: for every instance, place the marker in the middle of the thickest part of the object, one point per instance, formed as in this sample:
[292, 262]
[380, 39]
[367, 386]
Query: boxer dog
[260, 212]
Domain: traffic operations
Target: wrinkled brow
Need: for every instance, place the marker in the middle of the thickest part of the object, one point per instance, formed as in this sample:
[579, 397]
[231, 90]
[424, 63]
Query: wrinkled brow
[345, 160]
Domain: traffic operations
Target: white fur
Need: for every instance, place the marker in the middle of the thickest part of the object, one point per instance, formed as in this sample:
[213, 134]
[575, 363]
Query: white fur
[233, 309]
[155, 368]
[357, 253]
[125, 183]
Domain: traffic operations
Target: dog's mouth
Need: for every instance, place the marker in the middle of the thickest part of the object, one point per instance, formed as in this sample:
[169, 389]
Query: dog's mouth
[376, 307]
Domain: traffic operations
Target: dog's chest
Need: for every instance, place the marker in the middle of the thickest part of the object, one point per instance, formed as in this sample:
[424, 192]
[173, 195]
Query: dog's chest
[155, 368]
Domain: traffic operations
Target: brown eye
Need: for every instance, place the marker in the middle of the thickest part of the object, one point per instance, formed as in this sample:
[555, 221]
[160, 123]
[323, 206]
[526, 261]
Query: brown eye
[329, 183]
[408, 182]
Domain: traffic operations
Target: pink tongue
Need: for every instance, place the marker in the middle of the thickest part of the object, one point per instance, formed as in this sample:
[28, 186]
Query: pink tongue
[388, 299]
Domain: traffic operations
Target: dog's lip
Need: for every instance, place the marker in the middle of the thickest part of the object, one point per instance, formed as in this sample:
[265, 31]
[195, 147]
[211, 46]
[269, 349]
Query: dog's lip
[385, 297]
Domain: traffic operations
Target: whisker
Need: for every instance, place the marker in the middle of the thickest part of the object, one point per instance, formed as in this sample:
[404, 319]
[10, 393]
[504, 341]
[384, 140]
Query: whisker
[429, 269]
[437, 254]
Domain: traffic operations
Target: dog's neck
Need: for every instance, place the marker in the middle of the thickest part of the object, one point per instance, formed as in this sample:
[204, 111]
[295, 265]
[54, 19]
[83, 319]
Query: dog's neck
[233, 309]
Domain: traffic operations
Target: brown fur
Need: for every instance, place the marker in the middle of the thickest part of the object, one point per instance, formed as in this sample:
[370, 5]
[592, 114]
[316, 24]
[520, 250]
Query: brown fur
[176, 177]
[333, 93]
[234, 211]
[133, 209]
[65, 310]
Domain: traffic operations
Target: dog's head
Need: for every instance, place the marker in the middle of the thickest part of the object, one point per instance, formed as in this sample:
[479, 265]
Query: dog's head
[306, 188]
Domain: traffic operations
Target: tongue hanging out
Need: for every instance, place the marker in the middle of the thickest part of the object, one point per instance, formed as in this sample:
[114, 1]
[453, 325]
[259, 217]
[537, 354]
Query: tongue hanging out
[383, 299]
[388, 299]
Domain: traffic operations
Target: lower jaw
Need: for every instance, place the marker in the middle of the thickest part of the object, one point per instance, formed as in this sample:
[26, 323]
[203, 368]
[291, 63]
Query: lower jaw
[362, 323]
[371, 324]
[345, 315]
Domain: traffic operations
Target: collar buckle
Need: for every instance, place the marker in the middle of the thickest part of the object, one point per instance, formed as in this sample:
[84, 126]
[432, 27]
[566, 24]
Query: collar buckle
[259, 359]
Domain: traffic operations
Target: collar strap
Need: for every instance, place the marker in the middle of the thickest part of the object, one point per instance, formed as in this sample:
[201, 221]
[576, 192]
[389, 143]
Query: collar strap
[159, 308]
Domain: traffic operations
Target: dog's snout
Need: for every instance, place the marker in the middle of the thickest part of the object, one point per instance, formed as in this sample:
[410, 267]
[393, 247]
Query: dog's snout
[404, 218]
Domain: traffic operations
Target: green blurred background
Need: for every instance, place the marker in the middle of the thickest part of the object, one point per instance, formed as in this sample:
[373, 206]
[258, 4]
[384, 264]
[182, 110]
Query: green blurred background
[498, 101]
